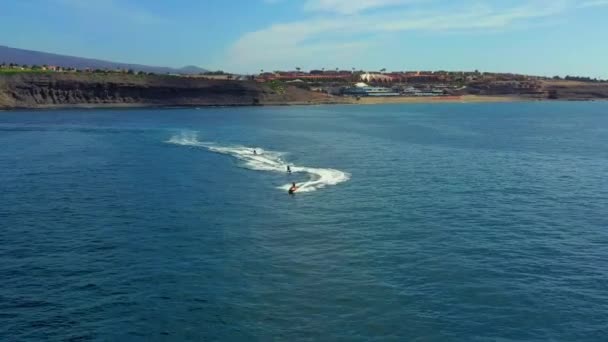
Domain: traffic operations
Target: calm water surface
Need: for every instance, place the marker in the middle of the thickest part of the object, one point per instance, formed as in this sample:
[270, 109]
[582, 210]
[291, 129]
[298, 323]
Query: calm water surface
[446, 222]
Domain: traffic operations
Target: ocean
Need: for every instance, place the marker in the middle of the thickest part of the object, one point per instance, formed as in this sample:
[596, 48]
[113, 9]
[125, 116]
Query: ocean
[417, 222]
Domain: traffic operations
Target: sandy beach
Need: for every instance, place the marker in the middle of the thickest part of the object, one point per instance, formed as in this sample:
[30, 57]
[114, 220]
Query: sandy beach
[438, 99]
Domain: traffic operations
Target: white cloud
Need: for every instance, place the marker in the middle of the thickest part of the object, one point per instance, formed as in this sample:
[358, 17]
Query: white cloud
[285, 43]
[328, 39]
[349, 6]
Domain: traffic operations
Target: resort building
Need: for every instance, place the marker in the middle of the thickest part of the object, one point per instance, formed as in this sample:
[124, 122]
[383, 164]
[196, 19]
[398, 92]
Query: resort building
[362, 89]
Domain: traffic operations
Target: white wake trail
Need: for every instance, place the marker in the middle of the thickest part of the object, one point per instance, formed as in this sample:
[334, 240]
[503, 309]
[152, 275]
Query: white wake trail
[266, 160]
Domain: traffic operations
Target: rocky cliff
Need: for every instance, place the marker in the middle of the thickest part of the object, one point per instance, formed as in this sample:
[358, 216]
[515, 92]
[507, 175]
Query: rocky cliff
[545, 89]
[574, 90]
[44, 90]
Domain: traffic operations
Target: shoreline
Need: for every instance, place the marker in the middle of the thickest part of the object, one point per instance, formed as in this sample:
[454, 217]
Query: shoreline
[84, 91]
[342, 101]
[440, 99]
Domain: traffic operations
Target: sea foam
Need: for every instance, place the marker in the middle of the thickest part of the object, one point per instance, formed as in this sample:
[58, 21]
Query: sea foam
[266, 160]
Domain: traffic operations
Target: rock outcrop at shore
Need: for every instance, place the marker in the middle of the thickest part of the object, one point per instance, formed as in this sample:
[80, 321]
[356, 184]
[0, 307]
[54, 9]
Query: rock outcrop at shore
[47, 90]
[542, 90]
[574, 90]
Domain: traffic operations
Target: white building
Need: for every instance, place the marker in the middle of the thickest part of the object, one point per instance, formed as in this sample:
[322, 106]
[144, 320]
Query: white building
[370, 77]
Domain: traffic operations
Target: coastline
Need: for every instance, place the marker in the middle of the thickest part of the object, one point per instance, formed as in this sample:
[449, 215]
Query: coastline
[104, 91]
[343, 101]
[440, 99]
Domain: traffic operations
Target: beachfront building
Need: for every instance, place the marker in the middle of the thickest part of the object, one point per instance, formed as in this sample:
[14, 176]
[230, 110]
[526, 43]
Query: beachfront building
[418, 77]
[326, 76]
[362, 89]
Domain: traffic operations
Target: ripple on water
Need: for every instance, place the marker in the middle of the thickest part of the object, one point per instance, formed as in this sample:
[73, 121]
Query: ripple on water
[458, 223]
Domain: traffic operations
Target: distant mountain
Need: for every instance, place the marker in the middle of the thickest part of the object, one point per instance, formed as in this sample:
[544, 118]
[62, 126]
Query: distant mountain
[20, 56]
[191, 69]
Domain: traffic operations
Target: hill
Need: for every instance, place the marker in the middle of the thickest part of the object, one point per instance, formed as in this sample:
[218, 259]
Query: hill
[29, 57]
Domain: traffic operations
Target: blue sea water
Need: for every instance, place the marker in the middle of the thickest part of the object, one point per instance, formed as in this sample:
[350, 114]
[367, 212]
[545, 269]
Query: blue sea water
[444, 222]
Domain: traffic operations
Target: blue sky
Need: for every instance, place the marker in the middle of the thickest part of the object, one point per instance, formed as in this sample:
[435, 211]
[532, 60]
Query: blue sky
[545, 37]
